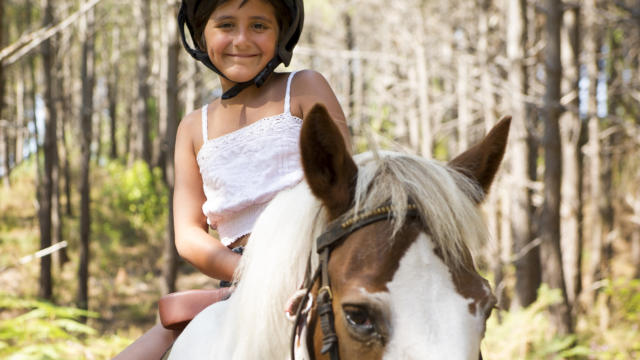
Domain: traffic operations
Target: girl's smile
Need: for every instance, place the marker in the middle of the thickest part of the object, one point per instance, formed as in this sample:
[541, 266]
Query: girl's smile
[241, 40]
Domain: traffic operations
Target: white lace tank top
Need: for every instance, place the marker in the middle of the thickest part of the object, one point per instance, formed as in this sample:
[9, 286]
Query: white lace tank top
[243, 170]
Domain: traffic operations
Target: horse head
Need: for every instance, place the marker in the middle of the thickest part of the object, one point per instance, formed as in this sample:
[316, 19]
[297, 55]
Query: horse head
[402, 284]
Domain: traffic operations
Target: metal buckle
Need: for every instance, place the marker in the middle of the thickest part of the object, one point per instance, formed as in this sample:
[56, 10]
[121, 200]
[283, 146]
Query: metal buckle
[325, 289]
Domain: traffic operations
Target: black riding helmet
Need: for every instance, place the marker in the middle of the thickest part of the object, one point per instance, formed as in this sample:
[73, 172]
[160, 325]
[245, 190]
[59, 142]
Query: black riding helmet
[287, 40]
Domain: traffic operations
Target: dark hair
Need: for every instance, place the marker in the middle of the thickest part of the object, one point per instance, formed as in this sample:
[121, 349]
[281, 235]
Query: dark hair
[205, 8]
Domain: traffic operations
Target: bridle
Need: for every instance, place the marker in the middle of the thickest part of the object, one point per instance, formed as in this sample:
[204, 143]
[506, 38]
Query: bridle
[336, 231]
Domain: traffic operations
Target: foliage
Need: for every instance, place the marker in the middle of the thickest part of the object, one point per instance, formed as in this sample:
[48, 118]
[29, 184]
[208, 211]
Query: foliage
[136, 191]
[610, 330]
[612, 327]
[136, 198]
[528, 334]
[130, 215]
[42, 330]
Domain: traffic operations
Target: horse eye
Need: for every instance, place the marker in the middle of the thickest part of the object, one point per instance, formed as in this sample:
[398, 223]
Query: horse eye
[359, 320]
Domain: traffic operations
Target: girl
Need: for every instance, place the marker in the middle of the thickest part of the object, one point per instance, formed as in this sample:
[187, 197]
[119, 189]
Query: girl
[233, 155]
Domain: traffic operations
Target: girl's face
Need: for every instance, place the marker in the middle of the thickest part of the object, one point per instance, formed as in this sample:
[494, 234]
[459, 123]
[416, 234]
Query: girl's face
[241, 39]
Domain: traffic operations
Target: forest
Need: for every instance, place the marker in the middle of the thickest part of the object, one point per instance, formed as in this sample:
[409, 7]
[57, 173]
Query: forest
[92, 92]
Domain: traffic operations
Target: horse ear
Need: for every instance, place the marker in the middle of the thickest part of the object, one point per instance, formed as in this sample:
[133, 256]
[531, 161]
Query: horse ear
[328, 166]
[482, 160]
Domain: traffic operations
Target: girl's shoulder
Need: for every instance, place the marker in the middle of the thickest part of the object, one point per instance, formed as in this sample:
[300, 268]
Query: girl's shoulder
[305, 79]
[192, 121]
[190, 128]
[309, 87]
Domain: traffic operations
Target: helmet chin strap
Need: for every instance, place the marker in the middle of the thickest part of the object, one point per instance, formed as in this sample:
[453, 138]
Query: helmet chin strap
[201, 56]
[258, 81]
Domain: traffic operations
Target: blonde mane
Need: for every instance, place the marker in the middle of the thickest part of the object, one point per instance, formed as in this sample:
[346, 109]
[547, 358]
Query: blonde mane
[275, 261]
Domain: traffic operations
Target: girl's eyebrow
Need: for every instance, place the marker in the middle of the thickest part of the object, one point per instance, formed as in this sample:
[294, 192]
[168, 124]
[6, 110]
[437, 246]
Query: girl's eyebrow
[223, 17]
[231, 17]
[263, 18]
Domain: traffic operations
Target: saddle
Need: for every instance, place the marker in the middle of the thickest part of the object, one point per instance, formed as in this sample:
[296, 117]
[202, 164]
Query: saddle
[177, 309]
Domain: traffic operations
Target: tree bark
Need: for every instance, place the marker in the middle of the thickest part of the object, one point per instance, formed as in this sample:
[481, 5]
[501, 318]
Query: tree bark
[86, 114]
[553, 273]
[424, 104]
[615, 105]
[635, 250]
[4, 143]
[21, 129]
[464, 106]
[170, 268]
[112, 92]
[527, 256]
[570, 129]
[32, 92]
[159, 151]
[191, 100]
[142, 149]
[50, 156]
[349, 110]
[4, 149]
[67, 106]
[591, 42]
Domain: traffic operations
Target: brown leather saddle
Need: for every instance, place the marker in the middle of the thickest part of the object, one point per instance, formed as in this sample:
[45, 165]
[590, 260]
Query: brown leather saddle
[177, 309]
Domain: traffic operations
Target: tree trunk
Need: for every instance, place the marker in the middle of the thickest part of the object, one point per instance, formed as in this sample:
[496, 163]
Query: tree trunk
[635, 250]
[142, 149]
[424, 104]
[21, 129]
[350, 45]
[615, 105]
[464, 107]
[50, 156]
[173, 50]
[67, 106]
[591, 42]
[60, 256]
[527, 258]
[4, 168]
[159, 151]
[112, 92]
[191, 100]
[550, 221]
[570, 129]
[4, 147]
[86, 114]
[4, 130]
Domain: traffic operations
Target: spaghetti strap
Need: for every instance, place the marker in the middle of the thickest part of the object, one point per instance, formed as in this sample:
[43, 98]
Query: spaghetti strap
[287, 96]
[205, 133]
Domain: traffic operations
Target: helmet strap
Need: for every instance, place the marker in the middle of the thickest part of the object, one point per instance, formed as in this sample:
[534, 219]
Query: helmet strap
[258, 81]
[199, 55]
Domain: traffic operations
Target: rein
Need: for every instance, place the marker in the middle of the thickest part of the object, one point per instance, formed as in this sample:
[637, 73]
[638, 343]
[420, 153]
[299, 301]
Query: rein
[336, 231]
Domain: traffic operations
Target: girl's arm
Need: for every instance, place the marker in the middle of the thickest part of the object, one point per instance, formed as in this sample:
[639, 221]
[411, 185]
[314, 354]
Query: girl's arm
[309, 88]
[193, 241]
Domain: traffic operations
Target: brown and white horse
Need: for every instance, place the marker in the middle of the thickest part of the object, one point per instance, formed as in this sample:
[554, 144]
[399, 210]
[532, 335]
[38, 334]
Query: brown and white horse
[400, 280]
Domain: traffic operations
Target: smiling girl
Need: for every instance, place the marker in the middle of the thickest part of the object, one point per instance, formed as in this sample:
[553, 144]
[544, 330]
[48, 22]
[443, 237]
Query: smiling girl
[236, 153]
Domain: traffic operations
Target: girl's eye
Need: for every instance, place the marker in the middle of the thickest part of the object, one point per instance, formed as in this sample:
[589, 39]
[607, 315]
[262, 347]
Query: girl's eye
[260, 26]
[226, 25]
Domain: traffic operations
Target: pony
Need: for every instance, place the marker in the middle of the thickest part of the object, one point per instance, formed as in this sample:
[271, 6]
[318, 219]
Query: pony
[401, 282]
